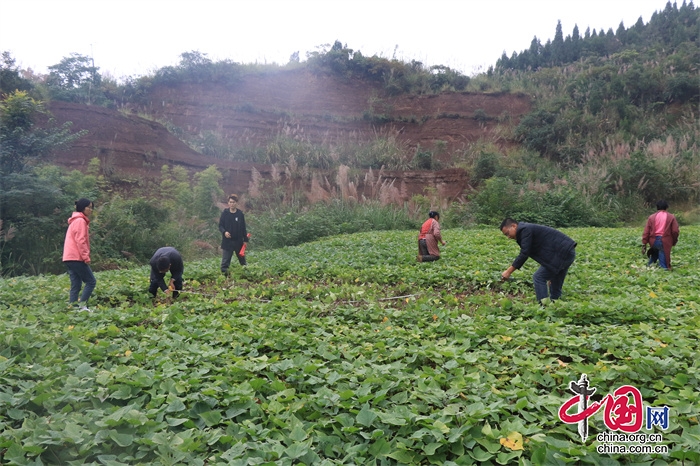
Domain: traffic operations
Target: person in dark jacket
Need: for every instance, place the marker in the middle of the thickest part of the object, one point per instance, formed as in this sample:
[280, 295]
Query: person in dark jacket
[552, 249]
[233, 234]
[164, 260]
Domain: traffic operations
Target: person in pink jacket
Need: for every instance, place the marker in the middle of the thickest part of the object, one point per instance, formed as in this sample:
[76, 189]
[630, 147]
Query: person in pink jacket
[661, 233]
[428, 238]
[76, 254]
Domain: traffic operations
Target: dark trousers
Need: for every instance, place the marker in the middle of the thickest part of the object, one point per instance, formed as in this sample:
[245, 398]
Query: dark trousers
[157, 278]
[226, 257]
[556, 280]
[79, 273]
[423, 252]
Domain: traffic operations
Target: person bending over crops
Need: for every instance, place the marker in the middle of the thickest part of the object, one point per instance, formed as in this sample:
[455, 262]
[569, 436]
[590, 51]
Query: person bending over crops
[233, 234]
[76, 254]
[552, 249]
[164, 260]
[428, 238]
[661, 233]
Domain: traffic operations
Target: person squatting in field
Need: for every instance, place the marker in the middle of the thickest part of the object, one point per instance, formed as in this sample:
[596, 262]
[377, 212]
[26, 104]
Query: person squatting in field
[661, 233]
[164, 260]
[233, 234]
[552, 249]
[428, 238]
[76, 254]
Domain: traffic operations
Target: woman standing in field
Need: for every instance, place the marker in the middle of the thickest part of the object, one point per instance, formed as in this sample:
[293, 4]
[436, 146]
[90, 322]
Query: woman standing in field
[428, 238]
[76, 254]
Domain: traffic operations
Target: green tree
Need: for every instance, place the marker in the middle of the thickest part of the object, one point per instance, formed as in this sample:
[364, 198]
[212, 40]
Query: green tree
[558, 55]
[539, 131]
[575, 44]
[75, 79]
[498, 199]
[30, 205]
[36, 211]
[206, 193]
[21, 138]
[35, 205]
[535, 53]
[194, 59]
[132, 229]
[175, 186]
[10, 78]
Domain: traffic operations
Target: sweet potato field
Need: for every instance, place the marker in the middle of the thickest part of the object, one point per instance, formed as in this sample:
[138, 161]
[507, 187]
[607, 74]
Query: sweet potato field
[348, 351]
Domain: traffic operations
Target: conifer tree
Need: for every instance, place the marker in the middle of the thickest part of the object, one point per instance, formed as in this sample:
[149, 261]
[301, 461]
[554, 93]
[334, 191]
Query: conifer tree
[558, 46]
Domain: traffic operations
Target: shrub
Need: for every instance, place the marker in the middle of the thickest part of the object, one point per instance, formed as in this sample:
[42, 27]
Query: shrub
[423, 159]
[537, 132]
[497, 200]
[683, 87]
[480, 115]
[36, 205]
[279, 228]
[132, 228]
[485, 167]
[557, 207]
[37, 212]
[206, 192]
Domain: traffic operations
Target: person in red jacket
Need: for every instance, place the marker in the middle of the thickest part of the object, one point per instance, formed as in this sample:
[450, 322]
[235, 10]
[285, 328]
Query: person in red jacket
[428, 238]
[76, 254]
[661, 233]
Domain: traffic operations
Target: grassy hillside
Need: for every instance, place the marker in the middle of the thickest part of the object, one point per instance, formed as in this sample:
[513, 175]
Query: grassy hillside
[590, 129]
[347, 351]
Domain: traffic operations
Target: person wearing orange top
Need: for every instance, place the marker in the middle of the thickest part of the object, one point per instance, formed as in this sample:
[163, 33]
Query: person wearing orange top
[429, 237]
[661, 233]
[76, 253]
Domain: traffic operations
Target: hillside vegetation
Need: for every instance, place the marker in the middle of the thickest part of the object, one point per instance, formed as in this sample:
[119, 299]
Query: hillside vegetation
[347, 351]
[611, 128]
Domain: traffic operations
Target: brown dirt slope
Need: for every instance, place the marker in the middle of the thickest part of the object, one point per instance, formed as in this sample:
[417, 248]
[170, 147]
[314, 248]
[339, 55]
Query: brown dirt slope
[259, 108]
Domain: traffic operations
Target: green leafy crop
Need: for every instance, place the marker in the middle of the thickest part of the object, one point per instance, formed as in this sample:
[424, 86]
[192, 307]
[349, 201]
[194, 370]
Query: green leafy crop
[348, 351]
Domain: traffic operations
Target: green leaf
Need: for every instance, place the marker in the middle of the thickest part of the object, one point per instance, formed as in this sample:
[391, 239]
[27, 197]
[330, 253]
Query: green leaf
[366, 416]
[392, 419]
[380, 448]
[680, 380]
[441, 427]
[486, 430]
[491, 445]
[84, 370]
[507, 458]
[123, 440]
[15, 453]
[480, 455]
[296, 450]
[402, 456]
[298, 434]
[174, 421]
[211, 418]
[175, 406]
[431, 448]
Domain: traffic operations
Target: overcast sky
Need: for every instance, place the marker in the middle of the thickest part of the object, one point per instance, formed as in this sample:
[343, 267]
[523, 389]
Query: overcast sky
[136, 37]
